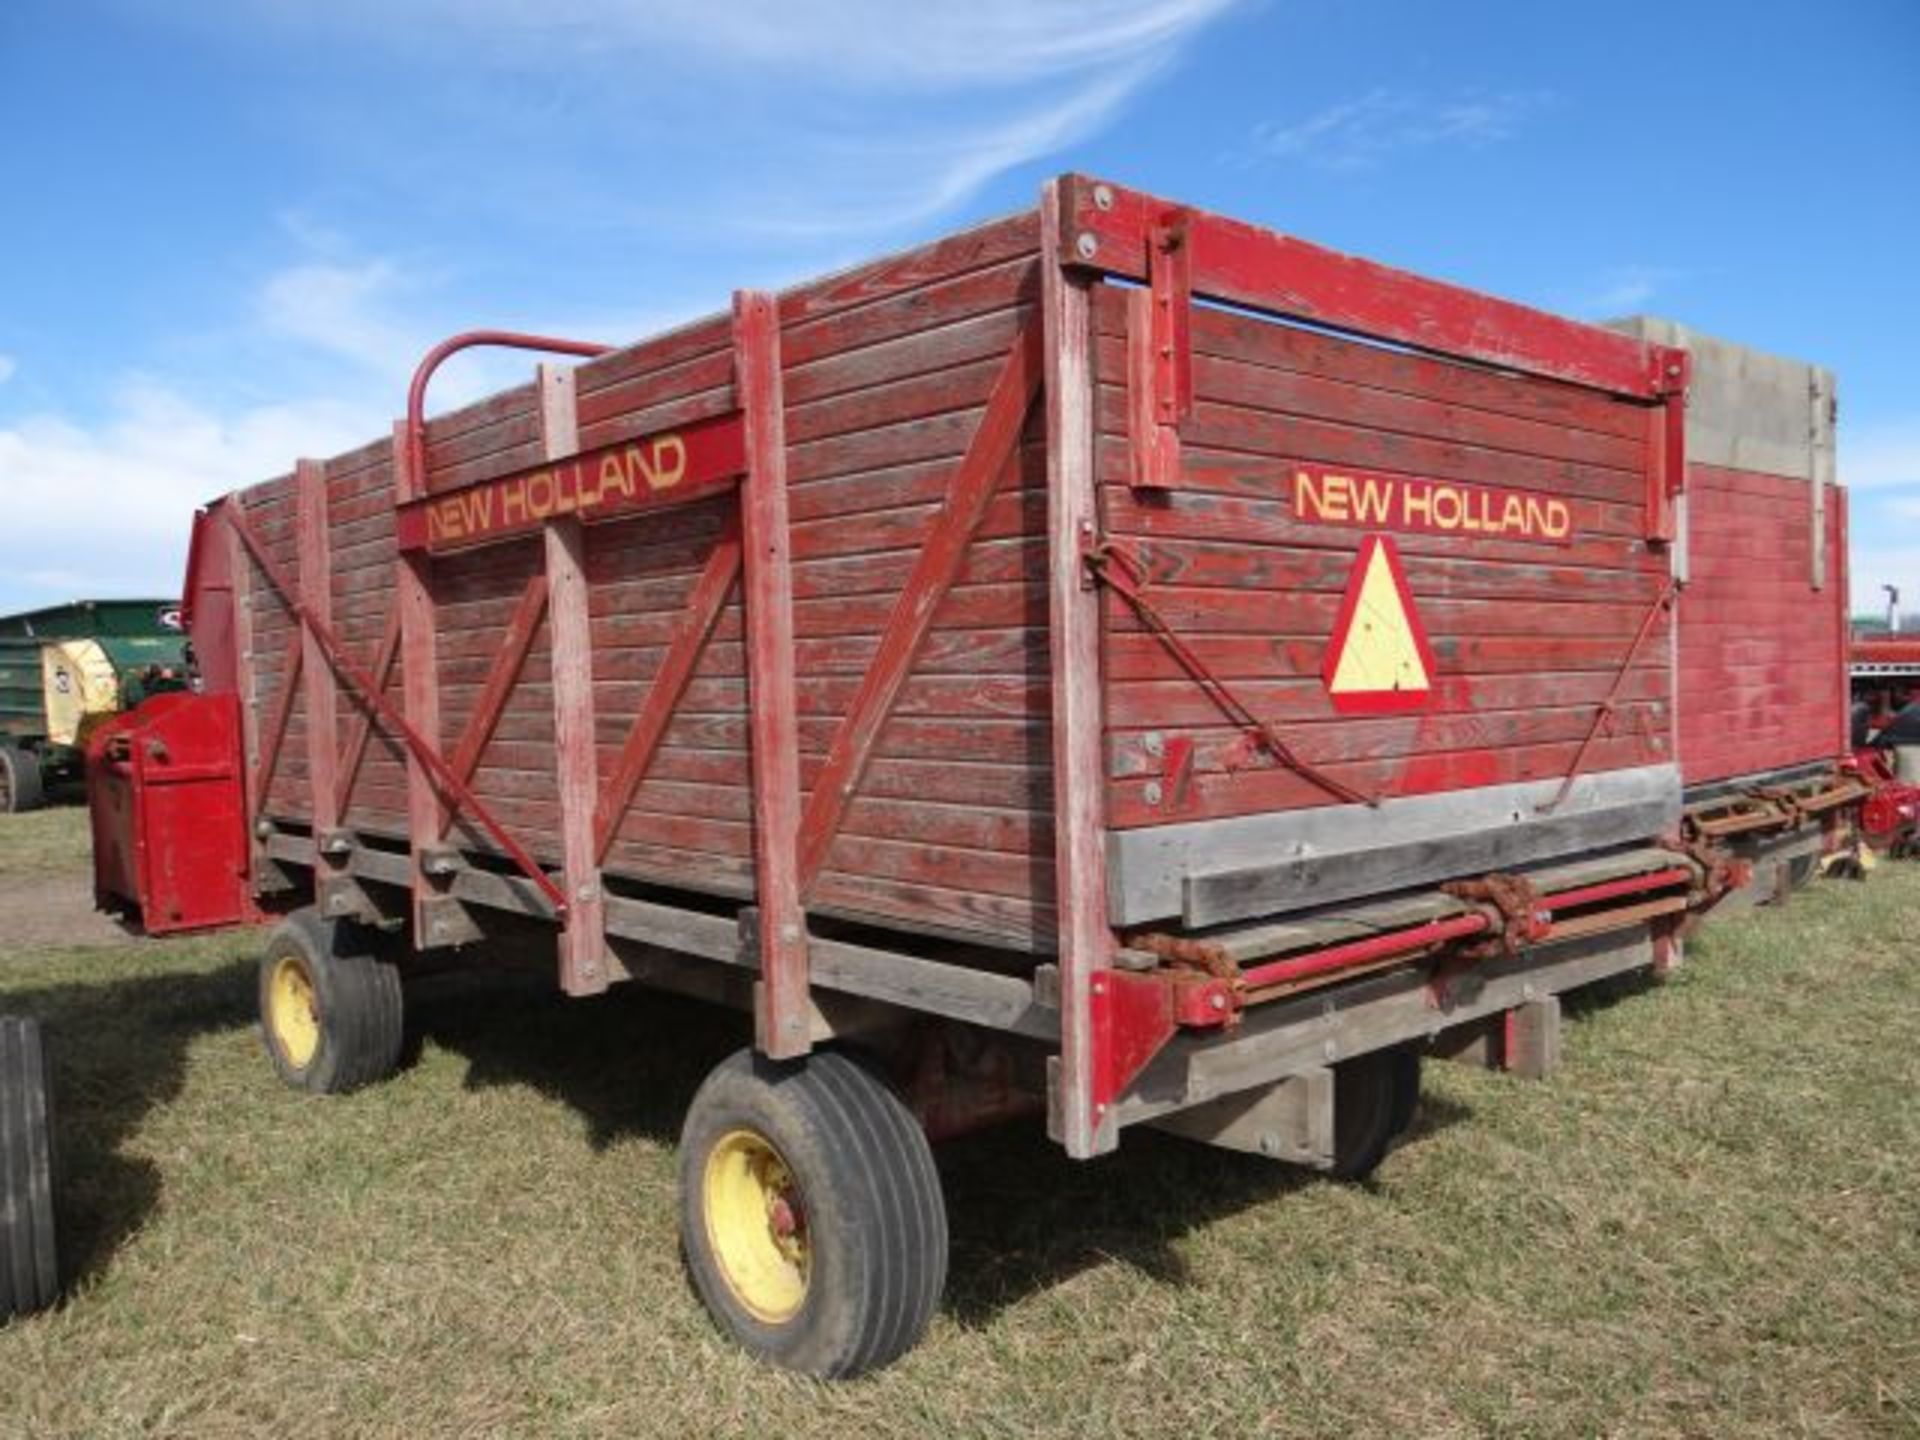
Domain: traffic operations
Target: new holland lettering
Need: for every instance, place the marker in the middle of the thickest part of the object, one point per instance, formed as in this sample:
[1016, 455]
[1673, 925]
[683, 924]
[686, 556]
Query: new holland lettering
[1404, 502]
[629, 475]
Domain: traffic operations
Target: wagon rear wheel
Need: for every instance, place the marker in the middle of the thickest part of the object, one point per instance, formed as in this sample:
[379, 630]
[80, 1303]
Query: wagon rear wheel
[29, 1250]
[811, 1213]
[21, 785]
[330, 1011]
[1374, 1099]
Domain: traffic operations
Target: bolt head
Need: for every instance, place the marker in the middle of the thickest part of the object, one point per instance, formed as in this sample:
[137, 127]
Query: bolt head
[1154, 743]
[1103, 196]
[1217, 1001]
[1086, 245]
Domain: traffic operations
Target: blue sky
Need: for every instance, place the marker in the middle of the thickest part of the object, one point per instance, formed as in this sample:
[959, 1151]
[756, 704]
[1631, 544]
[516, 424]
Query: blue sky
[232, 225]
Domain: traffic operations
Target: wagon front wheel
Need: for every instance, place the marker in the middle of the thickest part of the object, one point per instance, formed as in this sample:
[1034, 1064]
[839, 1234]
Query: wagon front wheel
[330, 1011]
[811, 1212]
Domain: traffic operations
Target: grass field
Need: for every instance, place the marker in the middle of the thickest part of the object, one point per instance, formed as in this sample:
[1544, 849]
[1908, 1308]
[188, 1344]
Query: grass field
[1707, 1224]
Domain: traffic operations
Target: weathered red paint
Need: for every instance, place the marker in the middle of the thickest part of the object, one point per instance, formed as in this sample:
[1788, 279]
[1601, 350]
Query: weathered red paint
[427, 753]
[413, 437]
[900, 627]
[675, 467]
[695, 629]
[989, 456]
[783, 1006]
[167, 805]
[1111, 229]
[1355, 953]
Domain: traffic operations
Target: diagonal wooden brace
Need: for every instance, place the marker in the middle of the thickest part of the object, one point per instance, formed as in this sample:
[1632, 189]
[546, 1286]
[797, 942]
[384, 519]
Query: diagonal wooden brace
[705, 601]
[993, 451]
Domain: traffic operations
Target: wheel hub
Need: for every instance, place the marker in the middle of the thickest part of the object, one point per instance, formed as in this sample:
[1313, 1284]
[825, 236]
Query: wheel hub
[756, 1225]
[293, 1012]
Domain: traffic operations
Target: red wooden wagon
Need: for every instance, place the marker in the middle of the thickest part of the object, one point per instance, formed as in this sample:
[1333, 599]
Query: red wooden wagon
[1116, 663]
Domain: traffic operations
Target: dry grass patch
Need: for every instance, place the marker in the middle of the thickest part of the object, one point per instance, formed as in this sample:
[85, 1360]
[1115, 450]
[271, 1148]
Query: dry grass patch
[1708, 1224]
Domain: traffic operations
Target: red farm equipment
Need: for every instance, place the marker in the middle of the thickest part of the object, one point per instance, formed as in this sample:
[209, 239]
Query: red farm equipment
[1116, 664]
[1760, 561]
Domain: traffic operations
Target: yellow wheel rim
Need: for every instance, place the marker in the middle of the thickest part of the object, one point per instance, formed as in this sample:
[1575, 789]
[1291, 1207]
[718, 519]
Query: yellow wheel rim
[757, 1225]
[293, 1012]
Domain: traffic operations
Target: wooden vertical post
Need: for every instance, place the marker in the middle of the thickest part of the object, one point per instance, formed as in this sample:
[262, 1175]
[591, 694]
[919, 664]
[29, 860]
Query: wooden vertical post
[782, 1008]
[1532, 1050]
[246, 686]
[322, 689]
[583, 938]
[1079, 779]
[420, 698]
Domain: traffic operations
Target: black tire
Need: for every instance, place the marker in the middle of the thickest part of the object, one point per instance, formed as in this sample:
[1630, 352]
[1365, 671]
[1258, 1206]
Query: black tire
[848, 1279]
[331, 1013]
[1374, 1100]
[22, 787]
[29, 1159]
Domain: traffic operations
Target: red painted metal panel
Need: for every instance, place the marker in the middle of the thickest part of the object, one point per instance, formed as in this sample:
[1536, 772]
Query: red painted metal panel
[1762, 653]
[1111, 229]
[168, 810]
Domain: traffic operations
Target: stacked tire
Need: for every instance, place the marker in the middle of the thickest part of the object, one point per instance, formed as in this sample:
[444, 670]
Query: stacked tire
[29, 1250]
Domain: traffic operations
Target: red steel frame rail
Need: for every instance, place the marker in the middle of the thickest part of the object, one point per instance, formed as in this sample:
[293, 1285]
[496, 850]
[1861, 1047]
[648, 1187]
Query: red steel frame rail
[1092, 230]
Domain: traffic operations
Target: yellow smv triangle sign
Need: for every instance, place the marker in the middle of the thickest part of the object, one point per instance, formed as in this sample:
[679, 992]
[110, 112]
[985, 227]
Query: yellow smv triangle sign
[1378, 661]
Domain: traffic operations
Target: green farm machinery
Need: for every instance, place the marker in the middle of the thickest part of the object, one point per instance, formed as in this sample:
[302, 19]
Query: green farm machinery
[67, 668]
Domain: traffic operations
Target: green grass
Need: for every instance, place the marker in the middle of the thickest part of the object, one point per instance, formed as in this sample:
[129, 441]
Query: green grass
[1707, 1224]
[53, 839]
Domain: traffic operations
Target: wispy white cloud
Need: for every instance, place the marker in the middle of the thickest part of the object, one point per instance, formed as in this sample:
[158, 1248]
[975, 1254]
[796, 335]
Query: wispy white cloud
[106, 509]
[823, 119]
[650, 133]
[914, 177]
[866, 43]
[8, 365]
[1367, 130]
[345, 310]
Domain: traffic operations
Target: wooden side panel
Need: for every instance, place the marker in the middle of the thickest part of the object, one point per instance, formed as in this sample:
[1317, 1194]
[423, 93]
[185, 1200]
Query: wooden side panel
[1762, 652]
[273, 686]
[1527, 635]
[886, 373]
[373, 770]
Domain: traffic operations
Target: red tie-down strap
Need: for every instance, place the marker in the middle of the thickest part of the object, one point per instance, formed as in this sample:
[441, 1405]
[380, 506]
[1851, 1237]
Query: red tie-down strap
[1117, 565]
[1662, 603]
[368, 694]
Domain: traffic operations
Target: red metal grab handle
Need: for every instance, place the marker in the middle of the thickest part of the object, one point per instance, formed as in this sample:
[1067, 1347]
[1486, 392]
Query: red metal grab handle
[453, 345]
